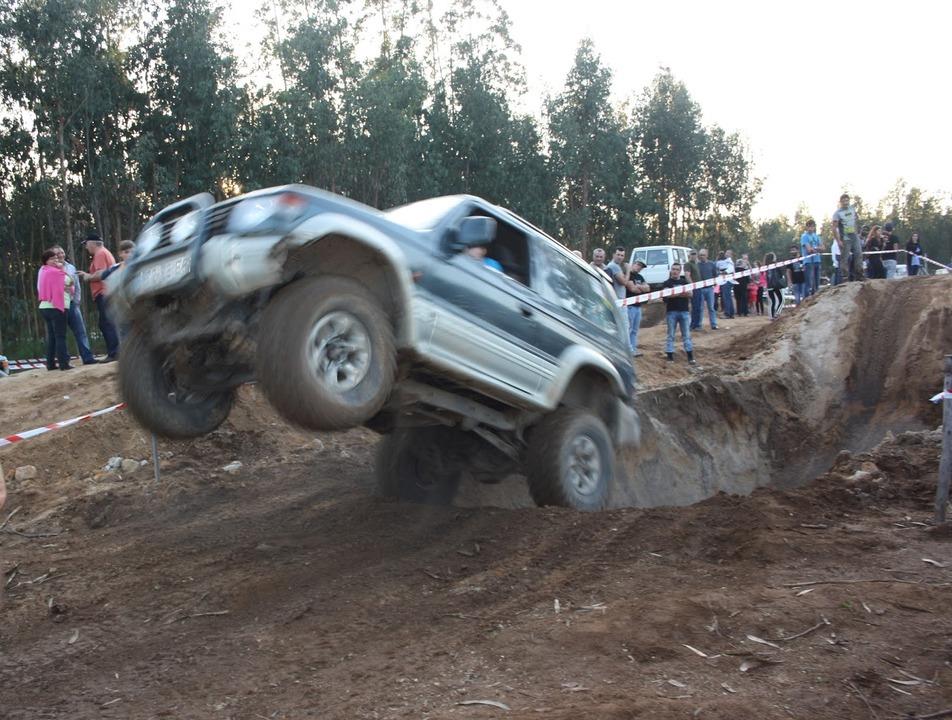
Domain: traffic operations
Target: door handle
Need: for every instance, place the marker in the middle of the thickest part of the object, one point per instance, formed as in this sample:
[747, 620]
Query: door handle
[526, 311]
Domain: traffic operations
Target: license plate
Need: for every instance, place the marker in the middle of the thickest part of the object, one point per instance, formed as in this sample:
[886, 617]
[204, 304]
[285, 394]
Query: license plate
[158, 275]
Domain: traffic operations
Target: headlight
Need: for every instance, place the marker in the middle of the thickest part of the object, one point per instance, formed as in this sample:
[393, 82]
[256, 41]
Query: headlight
[266, 212]
[185, 227]
[148, 239]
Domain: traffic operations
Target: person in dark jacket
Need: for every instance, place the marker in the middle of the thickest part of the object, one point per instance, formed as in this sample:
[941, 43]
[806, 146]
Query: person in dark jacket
[678, 314]
[914, 255]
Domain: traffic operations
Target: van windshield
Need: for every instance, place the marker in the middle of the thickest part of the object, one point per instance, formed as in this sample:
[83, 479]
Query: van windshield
[657, 257]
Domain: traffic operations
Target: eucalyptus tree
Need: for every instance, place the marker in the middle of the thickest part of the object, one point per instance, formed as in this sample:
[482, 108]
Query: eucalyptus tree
[589, 154]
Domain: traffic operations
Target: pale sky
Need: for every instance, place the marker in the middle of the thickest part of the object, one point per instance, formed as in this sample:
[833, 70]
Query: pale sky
[828, 96]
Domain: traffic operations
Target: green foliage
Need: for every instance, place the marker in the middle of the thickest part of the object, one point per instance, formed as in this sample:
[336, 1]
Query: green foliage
[110, 109]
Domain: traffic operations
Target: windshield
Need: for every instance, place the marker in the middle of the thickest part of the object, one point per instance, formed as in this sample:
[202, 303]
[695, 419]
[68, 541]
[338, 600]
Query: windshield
[425, 214]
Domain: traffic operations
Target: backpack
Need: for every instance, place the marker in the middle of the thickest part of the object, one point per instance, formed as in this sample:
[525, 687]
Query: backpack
[777, 279]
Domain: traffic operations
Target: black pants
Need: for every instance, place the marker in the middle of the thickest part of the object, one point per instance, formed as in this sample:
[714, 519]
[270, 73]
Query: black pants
[109, 333]
[56, 351]
[776, 302]
[740, 295]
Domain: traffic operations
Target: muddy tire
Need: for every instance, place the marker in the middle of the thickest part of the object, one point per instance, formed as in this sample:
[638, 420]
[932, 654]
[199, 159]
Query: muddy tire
[148, 387]
[418, 465]
[326, 357]
[570, 460]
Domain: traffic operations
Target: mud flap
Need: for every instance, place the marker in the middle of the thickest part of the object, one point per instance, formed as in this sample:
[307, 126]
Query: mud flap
[627, 427]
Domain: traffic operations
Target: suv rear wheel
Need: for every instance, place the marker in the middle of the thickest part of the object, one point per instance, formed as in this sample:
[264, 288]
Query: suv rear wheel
[419, 465]
[570, 460]
[326, 357]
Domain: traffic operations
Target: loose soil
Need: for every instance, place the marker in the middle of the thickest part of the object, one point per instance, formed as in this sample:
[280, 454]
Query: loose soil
[286, 589]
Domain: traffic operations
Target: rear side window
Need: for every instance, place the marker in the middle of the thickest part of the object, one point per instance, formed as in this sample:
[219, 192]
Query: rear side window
[570, 287]
[657, 257]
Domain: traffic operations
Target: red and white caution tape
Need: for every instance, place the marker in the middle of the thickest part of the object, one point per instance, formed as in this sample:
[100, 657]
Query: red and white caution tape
[939, 397]
[19, 437]
[691, 287]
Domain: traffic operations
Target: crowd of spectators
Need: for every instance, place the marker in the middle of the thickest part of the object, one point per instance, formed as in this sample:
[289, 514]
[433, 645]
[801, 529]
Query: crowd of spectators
[857, 253]
[59, 292]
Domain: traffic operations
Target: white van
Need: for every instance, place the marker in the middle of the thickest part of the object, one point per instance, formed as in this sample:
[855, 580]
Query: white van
[658, 260]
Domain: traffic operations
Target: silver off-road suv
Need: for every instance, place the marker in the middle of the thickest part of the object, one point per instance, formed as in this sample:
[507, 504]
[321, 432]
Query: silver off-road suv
[349, 316]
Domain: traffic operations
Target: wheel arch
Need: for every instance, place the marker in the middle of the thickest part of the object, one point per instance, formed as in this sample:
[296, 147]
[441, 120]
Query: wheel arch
[334, 244]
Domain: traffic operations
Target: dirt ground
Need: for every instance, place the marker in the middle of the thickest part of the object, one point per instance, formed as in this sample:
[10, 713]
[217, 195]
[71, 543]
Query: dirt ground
[284, 588]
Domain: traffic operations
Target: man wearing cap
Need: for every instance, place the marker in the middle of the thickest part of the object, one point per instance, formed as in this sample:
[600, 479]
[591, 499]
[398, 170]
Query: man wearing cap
[845, 223]
[102, 259]
[636, 285]
[891, 246]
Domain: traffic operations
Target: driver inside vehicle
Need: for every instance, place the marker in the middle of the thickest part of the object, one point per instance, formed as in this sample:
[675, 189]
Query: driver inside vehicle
[480, 253]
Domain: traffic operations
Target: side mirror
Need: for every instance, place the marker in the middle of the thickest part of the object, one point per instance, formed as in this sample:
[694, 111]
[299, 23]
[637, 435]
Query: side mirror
[473, 231]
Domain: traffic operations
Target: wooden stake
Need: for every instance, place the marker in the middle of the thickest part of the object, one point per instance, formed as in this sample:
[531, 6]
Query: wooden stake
[945, 466]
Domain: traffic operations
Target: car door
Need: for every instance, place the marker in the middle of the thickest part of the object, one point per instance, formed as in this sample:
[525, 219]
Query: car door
[485, 326]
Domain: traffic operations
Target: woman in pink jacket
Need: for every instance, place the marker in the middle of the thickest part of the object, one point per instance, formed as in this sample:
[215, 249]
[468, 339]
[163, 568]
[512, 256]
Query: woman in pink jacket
[54, 296]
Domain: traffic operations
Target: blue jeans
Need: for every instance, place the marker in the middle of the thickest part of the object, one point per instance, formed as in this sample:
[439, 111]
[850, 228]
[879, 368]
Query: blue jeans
[708, 296]
[634, 322]
[697, 299]
[812, 271]
[837, 277]
[75, 319]
[109, 333]
[799, 292]
[680, 318]
[727, 298]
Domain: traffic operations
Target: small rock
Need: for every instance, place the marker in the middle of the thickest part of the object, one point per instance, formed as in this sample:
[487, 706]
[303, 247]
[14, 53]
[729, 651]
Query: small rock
[316, 445]
[128, 466]
[114, 464]
[232, 467]
[25, 472]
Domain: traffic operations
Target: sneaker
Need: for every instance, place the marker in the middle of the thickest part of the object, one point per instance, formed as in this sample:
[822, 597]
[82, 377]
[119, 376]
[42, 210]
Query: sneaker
[108, 359]
[91, 361]
[691, 358]
[670, 356]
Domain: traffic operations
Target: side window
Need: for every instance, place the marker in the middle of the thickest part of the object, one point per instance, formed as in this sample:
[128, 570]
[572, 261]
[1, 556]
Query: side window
[657, 257]
[682, 258]
[573, 289]
[510, 248]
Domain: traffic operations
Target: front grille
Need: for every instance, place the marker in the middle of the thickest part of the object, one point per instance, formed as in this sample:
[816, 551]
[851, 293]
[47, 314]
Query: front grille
[217, 219]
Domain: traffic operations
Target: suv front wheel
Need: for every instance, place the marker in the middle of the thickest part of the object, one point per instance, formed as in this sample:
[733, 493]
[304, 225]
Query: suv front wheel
[326, 357]
[570, 461]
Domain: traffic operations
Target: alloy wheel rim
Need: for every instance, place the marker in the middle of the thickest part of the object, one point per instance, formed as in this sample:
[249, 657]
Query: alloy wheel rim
[338, 351]
[584, 465]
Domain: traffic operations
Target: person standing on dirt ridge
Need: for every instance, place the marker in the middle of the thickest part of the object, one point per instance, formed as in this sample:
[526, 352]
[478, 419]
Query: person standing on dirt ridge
[914, 255]
[102, 259]
[707, 271]
[796, 276]
[619, 278]
[892, 246]
[776, 282]
[74, 315]
[693, 274]
[677, 314]
[636, 286]
[725, 266]
[874, 265]
[845, 223]
[810, 248]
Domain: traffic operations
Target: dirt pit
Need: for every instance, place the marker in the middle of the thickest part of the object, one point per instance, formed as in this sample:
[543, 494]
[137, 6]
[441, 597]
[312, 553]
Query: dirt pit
[282, 588]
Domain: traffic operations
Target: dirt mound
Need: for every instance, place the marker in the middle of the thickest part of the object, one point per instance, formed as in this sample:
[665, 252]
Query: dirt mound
[852, 363]
[285, 590]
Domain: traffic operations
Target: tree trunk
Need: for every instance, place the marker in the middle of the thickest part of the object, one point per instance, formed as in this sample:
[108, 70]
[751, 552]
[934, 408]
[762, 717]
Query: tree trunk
[64, 190]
